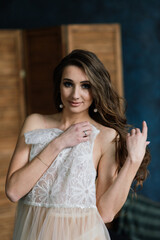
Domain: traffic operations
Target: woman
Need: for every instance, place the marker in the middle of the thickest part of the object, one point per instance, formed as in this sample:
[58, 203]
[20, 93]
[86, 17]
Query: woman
[58, 157]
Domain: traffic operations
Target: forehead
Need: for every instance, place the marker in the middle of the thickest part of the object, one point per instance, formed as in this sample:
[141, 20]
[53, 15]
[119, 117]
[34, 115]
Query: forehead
[74, 73]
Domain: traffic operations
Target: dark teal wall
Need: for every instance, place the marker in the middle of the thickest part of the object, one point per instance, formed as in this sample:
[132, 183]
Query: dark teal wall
[140, 21]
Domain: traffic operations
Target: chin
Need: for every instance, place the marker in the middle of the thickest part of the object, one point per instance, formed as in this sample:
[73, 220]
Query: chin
[77, 110]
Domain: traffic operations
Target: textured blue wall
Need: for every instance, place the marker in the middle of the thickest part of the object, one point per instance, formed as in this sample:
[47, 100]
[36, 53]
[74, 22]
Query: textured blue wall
[140, 21]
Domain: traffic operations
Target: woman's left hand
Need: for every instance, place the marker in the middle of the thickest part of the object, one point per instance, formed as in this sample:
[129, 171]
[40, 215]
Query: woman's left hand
[136, 143]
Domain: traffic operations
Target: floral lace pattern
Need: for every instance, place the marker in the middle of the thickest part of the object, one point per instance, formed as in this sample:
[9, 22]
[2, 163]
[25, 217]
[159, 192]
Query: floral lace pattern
[70, 179]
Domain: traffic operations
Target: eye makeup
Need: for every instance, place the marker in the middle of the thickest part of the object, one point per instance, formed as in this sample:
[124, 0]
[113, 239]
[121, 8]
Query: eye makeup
[70, 83]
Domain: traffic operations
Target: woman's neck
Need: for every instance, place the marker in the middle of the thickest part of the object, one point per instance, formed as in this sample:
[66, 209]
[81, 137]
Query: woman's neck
[67, 119]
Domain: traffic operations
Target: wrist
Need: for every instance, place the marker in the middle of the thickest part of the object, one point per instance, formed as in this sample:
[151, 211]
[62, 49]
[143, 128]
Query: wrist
[134, 160]
[132, 163]
[58, 143]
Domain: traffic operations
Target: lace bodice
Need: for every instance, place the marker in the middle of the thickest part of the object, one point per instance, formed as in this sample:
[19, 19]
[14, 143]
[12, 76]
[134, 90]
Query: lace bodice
[70, 179]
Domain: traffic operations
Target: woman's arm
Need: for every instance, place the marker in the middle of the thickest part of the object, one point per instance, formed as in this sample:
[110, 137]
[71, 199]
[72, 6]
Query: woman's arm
[23, 174]
[112, 190]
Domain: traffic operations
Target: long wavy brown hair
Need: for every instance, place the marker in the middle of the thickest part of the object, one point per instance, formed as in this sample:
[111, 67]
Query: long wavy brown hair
[111, 107]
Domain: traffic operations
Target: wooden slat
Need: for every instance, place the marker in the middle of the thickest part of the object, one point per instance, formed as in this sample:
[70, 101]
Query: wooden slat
[102, 39]
[12, 112]
[43, 52]
[7, 216]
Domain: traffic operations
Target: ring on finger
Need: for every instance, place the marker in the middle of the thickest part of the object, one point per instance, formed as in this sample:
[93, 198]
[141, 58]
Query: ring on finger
[85, 133]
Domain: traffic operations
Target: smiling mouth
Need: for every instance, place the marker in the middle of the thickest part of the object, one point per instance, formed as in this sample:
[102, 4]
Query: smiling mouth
[75, 104]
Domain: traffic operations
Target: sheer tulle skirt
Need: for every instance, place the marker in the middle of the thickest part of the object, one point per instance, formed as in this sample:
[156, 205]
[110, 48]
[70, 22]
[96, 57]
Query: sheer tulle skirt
[40, 223]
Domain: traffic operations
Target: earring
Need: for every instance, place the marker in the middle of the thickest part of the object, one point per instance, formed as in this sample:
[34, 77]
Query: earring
[61, 105]
[95, 110]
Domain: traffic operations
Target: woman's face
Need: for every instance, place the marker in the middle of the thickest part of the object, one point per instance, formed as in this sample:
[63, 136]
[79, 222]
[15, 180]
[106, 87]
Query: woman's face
[75, 90]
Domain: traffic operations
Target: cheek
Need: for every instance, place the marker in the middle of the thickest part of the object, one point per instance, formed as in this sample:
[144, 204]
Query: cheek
[88, 95]
[62, 92]
[65, 92]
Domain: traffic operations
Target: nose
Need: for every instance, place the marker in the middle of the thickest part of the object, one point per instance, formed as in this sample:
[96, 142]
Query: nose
[75, 93]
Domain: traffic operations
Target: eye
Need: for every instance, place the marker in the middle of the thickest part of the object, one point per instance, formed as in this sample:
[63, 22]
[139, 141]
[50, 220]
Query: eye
[67, 84]
[86, 86]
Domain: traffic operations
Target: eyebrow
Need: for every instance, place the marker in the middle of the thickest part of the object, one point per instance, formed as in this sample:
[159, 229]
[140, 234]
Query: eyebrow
[68, 79]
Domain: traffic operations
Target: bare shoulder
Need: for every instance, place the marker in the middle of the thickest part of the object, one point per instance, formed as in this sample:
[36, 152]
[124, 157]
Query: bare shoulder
[39, 121]
[32, 122]
[106, 136]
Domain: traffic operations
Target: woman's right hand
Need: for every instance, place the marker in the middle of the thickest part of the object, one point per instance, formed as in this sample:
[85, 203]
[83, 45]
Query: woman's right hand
[75, 134]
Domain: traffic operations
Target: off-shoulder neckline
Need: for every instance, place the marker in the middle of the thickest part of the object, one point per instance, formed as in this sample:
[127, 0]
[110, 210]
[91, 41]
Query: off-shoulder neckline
[49, 129]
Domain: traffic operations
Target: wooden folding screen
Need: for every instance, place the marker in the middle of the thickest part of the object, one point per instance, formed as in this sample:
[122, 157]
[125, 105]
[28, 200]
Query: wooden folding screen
[12, 111]
[45, 48]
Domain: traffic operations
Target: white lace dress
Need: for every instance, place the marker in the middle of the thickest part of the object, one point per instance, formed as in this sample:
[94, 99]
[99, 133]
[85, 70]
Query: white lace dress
[62, 204]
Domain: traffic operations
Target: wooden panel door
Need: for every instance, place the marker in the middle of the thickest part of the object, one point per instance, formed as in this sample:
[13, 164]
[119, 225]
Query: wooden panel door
[43, 51]
[102, 39]
[12, 112]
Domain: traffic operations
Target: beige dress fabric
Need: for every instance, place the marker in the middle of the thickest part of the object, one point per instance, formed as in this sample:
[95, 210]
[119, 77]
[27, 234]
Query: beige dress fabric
[62, 204]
